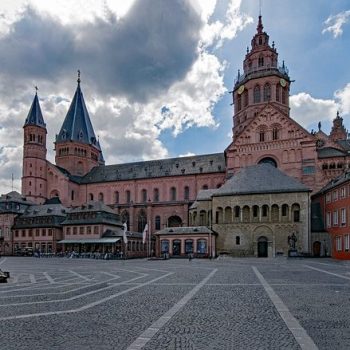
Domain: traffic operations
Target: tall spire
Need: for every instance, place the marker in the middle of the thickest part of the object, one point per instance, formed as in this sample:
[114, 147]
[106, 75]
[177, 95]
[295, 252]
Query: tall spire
[260, 26]
[35, 116]
[77, 125]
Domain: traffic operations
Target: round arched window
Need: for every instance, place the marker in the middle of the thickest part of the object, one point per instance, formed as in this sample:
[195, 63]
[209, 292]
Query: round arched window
[268, 160]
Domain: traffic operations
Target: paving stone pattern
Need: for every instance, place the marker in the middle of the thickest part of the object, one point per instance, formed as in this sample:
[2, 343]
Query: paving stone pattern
[61, 303]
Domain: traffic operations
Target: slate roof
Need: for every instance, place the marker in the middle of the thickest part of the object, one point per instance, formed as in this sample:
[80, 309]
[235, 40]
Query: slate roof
[200, 164]
[46, 210]
[261, 178]
[92, 213]
[345, 177]
[77, 124]
[185, 230]
[93, 206]
[344, 143]
[35, 116]
[14, 196]
[328, 152]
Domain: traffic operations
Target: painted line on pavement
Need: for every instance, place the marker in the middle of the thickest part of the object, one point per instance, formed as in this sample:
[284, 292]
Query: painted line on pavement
[49, 278]
[3, 260]
[147, 335]
[32, 278]
[87, 306]
[328, 272]
[79, 275]
[299, 333]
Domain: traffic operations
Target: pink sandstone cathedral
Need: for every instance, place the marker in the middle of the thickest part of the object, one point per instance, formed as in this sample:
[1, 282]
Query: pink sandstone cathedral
[161, 192]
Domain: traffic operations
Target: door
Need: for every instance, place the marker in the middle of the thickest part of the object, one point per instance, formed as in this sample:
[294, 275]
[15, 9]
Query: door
[262, 247]
[316, 248]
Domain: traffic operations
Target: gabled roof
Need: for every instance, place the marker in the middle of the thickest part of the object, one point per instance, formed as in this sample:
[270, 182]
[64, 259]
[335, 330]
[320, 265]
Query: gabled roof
[328, 152]
[200, 164]
[35, 116]
[77, 124]
[261, 178]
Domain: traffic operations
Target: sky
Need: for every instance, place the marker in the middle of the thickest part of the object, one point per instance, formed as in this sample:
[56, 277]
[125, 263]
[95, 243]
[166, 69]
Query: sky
[156, 74]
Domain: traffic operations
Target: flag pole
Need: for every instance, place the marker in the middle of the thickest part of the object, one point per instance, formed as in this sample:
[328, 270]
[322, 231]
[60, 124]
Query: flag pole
[149, 241]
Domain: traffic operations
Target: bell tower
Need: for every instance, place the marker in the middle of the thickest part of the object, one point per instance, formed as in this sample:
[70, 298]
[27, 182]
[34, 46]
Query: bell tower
[34, 179]
[262, 82]
[77, 148]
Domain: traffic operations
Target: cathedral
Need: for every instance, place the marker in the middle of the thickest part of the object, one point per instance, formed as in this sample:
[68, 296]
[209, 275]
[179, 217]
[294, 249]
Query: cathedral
[252, 197]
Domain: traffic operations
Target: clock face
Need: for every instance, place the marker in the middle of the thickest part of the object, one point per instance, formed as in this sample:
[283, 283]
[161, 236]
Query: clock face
[283, 82]
[240, 90]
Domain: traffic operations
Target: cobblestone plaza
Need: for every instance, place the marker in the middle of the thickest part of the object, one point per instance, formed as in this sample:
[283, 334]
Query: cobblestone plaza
[60, 303]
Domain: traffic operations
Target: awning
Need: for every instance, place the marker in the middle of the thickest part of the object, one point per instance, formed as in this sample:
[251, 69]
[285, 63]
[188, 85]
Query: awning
[89, 241]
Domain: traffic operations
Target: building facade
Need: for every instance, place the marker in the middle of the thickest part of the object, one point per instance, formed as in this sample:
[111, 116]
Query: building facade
[256, 212]
[333, 202]
[160, 192]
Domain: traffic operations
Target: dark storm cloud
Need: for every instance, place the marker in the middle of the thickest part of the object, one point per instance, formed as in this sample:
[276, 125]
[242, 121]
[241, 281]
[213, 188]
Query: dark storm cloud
[139, 56]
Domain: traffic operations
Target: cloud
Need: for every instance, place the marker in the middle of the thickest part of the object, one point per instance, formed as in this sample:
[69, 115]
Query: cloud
[334, 24]
[343, 95]
[142, 54]
[143, 72]
[215, 33]
[307, 110]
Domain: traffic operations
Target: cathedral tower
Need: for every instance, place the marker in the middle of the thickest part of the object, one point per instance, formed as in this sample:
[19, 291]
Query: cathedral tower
[34, 181]
[263, 82]
[76, 146]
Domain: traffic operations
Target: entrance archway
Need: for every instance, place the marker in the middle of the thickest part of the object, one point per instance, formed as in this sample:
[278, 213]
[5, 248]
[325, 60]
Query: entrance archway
[262, 247]
[316, 248]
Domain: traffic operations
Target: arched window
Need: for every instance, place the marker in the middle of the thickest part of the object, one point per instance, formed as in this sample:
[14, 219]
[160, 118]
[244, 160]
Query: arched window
[219, 215]
[257, 94]
[237, 211]
[265, 211]
[202, 218]
[239, 102]
[296, 212]
[260, 59]
[284, 95]
[187, 193]
[245, 98]
[141, 220]
[274, 133]
[268, 160]
[284, 209]
[157, 222]
[267, 92]
[128, 196]
[262, 136]
[91, 197]
[156, 195]
[116, 197]
[246, 213]
[144, 195]
[100, 197]
[278, 92]
[72, 195]
[228, 215]
[255, 211]
[173, 194]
